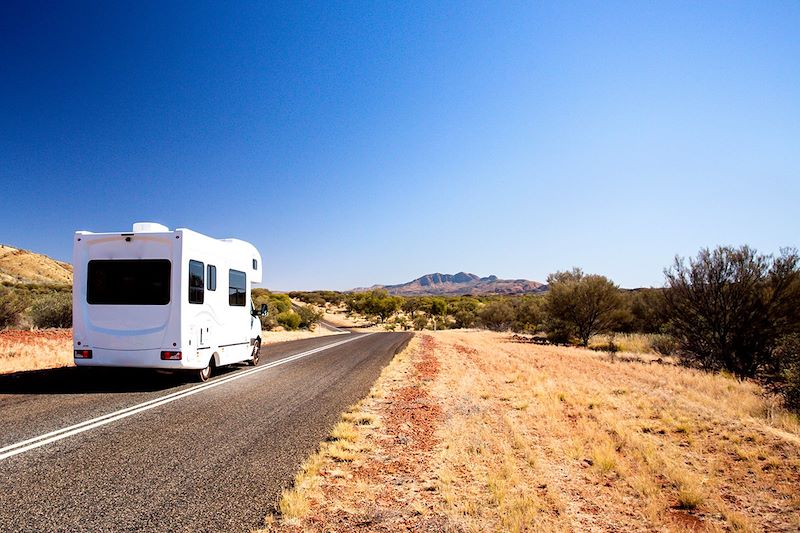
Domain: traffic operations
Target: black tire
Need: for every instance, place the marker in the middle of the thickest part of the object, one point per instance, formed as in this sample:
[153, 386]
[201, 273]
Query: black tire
[256, 358]
[204, 374]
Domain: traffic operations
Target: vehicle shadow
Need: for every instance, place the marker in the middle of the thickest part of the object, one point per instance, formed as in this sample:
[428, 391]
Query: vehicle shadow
[85, 380]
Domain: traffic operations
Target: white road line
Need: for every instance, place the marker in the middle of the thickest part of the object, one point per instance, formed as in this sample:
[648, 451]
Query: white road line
[54, 436]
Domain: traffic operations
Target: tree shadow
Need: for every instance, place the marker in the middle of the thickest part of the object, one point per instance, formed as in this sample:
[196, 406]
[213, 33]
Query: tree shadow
[95, 380]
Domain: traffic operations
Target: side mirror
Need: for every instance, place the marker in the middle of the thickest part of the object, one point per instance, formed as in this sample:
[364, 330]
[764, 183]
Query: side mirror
[264, 310]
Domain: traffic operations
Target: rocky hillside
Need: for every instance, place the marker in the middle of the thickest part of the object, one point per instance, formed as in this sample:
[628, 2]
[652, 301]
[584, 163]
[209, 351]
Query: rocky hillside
[461, 283]
[24, 267]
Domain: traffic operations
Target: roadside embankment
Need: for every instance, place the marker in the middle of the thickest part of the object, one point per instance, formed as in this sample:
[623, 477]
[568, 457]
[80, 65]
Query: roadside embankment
[469, 431]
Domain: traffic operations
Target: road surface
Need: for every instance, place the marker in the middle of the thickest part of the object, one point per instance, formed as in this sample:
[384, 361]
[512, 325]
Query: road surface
[139, 451]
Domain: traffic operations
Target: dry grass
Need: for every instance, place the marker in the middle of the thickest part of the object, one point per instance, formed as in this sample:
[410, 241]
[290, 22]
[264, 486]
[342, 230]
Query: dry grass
[519, 437]
[635, 343]
[33, 350]
[22, 266]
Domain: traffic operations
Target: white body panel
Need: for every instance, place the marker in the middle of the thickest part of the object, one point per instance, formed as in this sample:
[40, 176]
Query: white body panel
[134, 335]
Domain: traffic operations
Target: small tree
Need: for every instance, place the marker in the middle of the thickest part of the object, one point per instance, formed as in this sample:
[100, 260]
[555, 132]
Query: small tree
[437, 309]
[497, 315]
[583, 304]
[387, 306]
[465, 312]
[728, 307]
[529, 315]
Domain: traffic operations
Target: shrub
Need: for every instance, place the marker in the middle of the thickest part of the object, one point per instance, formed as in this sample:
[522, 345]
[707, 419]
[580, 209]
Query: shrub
[10, 308]
[289, 320]
[528, 314]
[309, 317]
[728, 307]
[581, 304]
[375, 303]
[420, 322]
[498, 315]
[664, 344]
[787, 358]
[464, 312]
[52, 311]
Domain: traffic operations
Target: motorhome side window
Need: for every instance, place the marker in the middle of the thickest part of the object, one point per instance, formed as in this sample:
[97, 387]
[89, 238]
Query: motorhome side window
[211, 279]
[128, 282]
[196, 282]
[237, 283]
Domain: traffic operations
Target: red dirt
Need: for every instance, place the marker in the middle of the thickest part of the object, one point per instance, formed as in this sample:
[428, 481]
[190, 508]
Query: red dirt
[26, 335]
[404, 445]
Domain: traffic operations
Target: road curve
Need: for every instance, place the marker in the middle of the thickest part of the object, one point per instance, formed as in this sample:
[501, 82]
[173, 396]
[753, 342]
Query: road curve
[214, 459]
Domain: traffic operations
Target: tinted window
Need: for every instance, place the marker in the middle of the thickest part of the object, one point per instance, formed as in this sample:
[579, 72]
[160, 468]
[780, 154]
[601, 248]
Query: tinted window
[196, 271]
[255, 264]
[237, 282]
[128, 282]
[211, 279]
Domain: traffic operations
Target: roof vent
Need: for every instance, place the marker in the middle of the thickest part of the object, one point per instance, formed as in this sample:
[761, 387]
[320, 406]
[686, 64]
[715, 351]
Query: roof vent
[149, 227]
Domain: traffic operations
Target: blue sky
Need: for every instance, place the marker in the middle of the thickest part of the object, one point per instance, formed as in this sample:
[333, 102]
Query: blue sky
[372, 142]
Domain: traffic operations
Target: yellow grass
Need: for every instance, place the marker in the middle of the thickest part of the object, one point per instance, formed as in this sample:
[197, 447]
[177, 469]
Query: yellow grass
[23, 266]
[544, 438]
[635, 343]
[25, 350]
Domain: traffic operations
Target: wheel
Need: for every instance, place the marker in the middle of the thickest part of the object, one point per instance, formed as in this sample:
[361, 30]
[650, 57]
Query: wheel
[256, 353]
[205, 373]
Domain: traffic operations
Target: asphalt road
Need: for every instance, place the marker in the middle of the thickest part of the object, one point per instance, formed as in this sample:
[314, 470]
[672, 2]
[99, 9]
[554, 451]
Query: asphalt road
[206, 459]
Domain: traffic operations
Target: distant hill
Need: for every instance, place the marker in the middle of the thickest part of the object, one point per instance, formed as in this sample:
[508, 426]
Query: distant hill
[24, 267]
[461, 283]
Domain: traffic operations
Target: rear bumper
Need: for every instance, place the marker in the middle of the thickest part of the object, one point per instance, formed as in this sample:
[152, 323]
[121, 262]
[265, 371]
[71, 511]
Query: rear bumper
[194, 360]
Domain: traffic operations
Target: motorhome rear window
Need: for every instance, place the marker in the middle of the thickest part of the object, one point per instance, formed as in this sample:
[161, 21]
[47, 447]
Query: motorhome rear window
[128, 282]
[237, 283]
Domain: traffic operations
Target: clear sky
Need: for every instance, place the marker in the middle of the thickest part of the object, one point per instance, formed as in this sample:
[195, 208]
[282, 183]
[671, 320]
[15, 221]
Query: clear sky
[372, 142]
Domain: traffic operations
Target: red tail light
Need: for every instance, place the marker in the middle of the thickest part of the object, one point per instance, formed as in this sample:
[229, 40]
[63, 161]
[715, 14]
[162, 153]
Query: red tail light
[83, 354]
[171, 356]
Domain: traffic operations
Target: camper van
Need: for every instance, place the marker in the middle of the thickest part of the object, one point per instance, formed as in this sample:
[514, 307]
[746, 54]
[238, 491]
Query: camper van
[172, 300]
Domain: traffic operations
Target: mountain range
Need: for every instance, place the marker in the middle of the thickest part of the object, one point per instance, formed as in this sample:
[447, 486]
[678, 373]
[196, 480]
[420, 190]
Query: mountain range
[461, 283]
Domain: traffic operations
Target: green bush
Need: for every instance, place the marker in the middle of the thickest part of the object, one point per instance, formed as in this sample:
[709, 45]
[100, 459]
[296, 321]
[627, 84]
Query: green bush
[309, 317]
[10, 308]
[498, 315]
[52, 311]
[420, 322]
[289, 320]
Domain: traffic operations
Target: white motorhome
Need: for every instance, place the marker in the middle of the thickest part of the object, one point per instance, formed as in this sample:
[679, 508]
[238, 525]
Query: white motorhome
[155, 298]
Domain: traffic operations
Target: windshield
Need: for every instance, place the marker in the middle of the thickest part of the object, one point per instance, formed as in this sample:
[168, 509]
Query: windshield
[128, 282]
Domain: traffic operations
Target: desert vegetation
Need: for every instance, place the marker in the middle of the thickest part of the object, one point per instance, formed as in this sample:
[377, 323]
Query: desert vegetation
[281, 313]
[35, 306]
[476, 431]
[728, 309]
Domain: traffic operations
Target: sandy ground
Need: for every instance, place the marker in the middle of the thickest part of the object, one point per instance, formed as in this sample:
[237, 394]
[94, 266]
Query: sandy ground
[469, 431]
[271, 337]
